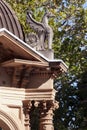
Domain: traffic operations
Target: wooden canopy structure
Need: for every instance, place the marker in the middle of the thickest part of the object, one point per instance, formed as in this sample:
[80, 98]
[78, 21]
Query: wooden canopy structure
[26, 77]
[20, 60]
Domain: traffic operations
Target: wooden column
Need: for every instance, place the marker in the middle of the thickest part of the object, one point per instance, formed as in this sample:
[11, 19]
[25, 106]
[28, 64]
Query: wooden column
[46, 115]
[26, 109]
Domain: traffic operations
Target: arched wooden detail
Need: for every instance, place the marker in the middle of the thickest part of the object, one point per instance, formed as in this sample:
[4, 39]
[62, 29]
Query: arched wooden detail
[10, 121]
[9, 20]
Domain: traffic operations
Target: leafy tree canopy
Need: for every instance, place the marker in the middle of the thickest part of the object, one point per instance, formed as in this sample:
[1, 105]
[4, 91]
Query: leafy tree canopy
[70, 39]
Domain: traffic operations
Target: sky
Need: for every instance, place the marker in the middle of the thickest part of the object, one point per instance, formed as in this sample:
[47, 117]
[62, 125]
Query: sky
[85, 5]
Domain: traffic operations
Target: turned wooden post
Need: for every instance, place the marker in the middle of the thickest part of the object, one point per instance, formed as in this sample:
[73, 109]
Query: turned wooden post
[26, 109]
[46, 114]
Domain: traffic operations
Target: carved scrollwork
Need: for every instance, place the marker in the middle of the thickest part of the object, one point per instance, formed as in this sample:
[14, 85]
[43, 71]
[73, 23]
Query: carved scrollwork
[45, 106]
[46, 114]
[56, 105]
[36, 104]
[26, 109]
[44, 109]
[26, 106]
[32, 39]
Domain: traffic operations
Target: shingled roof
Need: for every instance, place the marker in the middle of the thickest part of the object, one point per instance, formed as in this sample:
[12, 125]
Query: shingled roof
[9, 20]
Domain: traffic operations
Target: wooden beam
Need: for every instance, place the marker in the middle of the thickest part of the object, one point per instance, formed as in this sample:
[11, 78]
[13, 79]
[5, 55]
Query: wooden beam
[20, 62]
[20, 77]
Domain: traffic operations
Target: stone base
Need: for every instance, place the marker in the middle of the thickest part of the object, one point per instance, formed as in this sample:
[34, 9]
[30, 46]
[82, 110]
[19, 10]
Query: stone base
[47, 53]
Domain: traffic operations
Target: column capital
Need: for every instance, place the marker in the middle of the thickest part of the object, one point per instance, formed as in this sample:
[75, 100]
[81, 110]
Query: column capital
[26, 106]
[46, 105]
[26, 109]
[46, 108]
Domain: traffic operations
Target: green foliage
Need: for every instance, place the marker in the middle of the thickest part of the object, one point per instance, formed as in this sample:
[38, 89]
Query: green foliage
[71, 34]
[70, 30]
[21, 6]
[82, 85]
